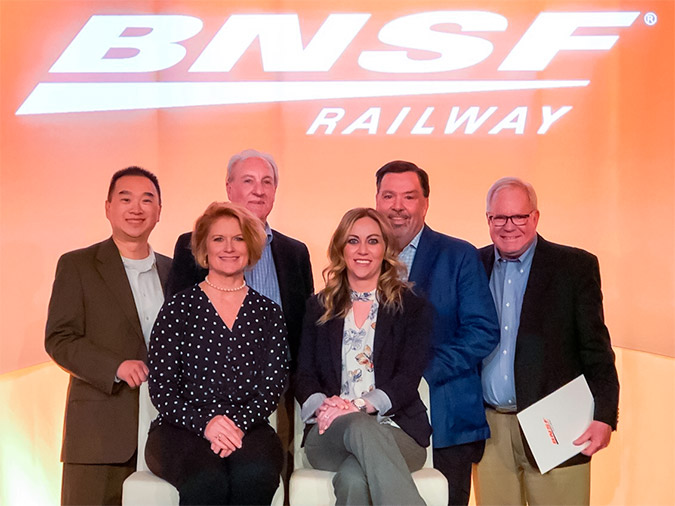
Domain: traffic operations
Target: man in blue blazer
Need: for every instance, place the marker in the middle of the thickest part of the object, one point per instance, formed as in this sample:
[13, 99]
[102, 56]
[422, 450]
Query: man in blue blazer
[448, 272]
[549, 302]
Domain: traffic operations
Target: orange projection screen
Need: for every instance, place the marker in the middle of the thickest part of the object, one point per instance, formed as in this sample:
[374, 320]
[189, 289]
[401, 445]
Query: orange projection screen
[576, 97]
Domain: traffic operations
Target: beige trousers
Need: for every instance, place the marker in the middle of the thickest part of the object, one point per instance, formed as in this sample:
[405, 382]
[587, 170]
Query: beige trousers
[504, 476]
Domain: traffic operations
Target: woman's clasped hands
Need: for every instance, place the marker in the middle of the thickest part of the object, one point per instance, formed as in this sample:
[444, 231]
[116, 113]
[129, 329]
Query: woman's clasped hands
[224, 435]
[332, 408]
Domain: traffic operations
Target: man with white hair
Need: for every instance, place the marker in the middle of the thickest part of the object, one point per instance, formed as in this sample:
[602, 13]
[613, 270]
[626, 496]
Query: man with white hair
[549, 303]
[284, 272]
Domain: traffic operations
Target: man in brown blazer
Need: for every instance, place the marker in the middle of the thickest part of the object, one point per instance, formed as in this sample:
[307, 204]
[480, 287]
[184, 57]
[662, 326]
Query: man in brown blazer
[104, 302]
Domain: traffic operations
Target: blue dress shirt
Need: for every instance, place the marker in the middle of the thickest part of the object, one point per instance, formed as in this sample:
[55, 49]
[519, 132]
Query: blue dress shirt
[507, 284]
[263, 276]
[407, 255]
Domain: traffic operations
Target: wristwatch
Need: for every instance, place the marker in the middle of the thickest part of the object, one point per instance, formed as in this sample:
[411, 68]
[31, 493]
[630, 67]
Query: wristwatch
[360, 405]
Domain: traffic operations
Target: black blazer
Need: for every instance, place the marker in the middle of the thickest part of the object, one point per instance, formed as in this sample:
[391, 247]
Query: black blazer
[400, 355]
[294, 273]
[562, 331]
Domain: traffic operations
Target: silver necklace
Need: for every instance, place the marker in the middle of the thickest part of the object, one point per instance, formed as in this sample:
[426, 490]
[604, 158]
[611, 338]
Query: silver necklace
[243, 285]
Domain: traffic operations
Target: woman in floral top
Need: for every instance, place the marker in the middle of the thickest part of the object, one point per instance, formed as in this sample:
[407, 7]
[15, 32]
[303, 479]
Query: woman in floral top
[364, 347]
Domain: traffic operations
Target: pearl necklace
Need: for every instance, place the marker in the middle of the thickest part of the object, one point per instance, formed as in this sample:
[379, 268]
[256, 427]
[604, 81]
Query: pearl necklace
[243, 285]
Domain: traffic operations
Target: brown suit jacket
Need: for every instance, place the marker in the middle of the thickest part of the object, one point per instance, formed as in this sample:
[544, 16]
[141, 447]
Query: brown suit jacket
[92, 327]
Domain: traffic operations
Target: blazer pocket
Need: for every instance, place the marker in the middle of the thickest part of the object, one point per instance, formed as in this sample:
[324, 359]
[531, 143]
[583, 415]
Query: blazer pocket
[82, 391]
[414, 409]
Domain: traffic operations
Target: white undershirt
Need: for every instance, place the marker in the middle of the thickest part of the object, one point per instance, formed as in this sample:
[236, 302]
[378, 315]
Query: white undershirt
[147, 290]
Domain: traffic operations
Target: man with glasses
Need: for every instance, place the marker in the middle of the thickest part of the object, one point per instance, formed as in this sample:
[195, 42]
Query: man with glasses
[549, 303]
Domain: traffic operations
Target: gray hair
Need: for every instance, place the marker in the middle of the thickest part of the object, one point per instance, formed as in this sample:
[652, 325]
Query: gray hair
[511, 182]
[252, 153]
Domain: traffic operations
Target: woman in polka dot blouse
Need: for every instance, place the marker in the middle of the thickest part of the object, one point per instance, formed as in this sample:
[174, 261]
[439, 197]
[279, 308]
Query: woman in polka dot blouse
[218, 366]
[364, 346]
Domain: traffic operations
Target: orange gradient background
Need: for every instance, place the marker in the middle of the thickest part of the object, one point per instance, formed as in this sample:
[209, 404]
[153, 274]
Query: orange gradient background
[604, 174]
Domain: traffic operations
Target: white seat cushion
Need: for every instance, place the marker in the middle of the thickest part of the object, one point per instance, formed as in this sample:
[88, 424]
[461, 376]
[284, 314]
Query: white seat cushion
[143, 488]
[311, 487]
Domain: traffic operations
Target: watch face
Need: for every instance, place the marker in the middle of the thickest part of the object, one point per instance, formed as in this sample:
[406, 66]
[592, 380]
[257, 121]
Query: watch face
[360, 403]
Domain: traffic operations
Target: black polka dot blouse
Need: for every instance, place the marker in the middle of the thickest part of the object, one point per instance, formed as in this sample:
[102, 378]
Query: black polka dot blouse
[199, 368]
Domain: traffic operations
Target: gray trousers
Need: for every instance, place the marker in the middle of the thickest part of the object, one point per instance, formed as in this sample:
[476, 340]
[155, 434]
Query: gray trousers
[372, 461]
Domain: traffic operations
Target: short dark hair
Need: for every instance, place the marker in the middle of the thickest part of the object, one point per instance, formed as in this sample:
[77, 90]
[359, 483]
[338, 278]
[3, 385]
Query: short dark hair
[399, 167]
[134, 171]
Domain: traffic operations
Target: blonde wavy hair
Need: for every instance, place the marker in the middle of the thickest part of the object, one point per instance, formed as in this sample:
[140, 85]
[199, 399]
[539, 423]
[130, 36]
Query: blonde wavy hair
[252, 230]
[336, 297]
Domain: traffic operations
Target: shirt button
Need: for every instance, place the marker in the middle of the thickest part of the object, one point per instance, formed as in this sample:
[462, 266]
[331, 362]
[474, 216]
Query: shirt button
[504, 352]
[509, 281]
[506, 377]
[510, 401]
[506, 327]
[508, 304]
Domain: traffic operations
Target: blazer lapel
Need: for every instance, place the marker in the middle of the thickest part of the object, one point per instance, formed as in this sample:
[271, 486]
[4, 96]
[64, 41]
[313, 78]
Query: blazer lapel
[487, 256]
[278, 255]
[425, 257]
[541, 273]
[383, 330]
[334, 329]
[163, 269]
[111, 269]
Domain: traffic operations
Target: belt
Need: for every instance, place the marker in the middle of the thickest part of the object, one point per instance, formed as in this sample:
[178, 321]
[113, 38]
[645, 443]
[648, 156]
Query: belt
[501, 410]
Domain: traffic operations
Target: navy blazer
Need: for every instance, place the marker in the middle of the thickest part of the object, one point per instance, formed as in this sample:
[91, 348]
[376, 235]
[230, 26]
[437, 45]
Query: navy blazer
[562, 331]
[400, 354]
[448, 272]
[294, 273]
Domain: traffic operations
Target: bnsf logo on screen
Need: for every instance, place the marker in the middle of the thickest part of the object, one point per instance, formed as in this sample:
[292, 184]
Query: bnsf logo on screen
[151, 43]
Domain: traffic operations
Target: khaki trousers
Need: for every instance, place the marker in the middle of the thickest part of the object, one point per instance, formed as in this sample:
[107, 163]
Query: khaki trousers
[504, 476]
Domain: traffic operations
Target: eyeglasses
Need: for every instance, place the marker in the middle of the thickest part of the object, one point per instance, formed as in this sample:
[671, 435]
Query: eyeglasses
[499, 220]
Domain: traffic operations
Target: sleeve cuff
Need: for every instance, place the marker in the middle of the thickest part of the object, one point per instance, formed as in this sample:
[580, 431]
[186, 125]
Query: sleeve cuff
[310, 406]
[379, 399]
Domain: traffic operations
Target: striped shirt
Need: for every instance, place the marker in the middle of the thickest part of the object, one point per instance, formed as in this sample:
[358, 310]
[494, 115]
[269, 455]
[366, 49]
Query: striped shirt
[263, 276]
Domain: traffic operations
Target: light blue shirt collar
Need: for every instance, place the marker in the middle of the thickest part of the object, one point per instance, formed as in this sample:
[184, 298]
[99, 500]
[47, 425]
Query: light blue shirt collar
[525, 257]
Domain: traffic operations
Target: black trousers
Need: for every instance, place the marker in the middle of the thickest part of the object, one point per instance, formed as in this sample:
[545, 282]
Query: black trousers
[250, 475]
[455, 463]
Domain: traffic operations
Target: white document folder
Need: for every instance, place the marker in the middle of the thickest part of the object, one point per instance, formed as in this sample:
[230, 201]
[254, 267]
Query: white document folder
[552, 423]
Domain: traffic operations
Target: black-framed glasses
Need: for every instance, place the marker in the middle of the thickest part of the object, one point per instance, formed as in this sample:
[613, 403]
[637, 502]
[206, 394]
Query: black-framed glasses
[499, 220]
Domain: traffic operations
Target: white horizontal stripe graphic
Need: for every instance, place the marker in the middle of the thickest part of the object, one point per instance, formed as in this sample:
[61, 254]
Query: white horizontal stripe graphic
[49, 98]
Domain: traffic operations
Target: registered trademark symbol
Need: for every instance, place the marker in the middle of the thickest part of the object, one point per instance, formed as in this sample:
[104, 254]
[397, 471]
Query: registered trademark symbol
[650, 19]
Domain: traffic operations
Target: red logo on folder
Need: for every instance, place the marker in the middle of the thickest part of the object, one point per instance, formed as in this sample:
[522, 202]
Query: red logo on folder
[551, 433]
